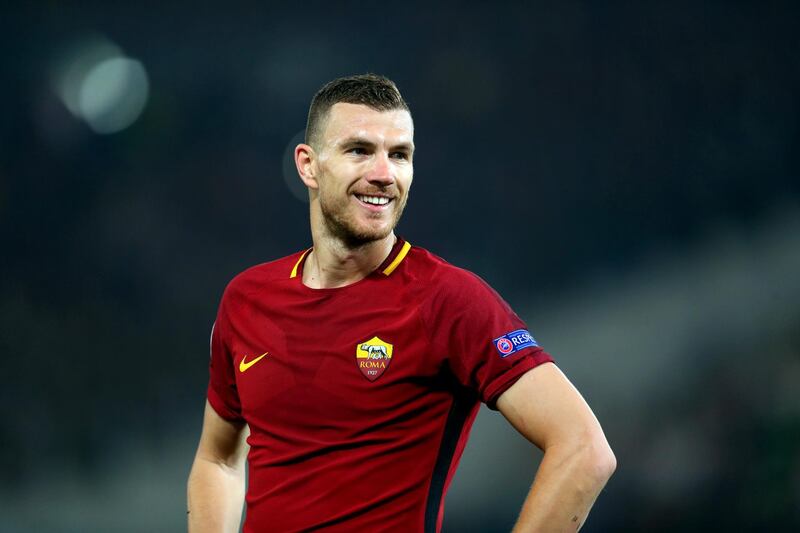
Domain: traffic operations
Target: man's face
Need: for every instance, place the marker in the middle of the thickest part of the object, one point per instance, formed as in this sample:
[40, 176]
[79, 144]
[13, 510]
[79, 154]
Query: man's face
[365, 171]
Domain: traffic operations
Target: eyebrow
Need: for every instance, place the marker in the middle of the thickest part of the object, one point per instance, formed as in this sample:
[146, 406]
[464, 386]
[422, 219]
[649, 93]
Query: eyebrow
[361, 141]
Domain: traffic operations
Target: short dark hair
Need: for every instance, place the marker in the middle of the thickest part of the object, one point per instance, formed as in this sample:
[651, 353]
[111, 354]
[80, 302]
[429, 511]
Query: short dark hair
[372, 90]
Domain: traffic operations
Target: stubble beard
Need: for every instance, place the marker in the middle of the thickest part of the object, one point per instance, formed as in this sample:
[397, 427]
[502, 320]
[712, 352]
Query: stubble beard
[340, 224]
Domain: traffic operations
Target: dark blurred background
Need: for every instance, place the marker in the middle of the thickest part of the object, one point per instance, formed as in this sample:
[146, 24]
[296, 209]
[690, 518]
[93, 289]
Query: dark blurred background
[625, 174]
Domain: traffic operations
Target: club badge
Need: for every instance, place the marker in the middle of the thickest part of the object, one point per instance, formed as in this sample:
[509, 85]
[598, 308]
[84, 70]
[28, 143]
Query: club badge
[372, 357]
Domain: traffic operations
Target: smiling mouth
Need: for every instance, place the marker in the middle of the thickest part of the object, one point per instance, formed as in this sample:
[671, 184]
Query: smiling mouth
[373, 201]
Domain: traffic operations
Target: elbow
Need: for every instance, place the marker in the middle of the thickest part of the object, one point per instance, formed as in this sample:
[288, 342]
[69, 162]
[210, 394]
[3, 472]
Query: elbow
[608, 463]
[590, 460]
[587, 459]
[599, 460]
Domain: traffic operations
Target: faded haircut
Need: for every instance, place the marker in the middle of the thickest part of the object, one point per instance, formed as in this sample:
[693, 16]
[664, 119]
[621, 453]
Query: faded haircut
[372, 90]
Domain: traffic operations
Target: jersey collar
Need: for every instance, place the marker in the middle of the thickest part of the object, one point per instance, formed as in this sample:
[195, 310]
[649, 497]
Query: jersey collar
[398, 252]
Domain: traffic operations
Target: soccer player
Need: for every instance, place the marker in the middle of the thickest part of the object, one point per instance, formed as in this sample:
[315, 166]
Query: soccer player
[355, 368]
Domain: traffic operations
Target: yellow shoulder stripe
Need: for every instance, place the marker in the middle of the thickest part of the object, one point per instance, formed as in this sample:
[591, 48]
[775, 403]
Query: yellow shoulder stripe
[397, 260]
[296, 265]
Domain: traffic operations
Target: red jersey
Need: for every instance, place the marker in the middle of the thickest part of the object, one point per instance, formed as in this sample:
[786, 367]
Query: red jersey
[360, 398]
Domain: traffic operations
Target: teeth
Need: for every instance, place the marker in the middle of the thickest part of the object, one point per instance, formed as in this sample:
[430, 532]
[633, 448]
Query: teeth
[375, 200]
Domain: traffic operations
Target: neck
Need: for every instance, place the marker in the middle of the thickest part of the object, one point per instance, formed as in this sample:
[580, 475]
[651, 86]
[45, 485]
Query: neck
[332, 263]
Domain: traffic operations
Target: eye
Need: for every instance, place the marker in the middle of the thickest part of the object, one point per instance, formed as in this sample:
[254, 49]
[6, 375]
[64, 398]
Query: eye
[399, 155]
[357, 150]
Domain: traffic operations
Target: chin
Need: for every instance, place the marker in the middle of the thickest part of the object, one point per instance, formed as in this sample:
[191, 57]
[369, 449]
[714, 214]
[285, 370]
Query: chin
[355, 235]
[355, 230]
[361, 236]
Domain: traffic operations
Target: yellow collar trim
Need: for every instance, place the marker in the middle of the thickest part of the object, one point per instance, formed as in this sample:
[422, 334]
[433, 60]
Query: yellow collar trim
[297, 265]
[386, 271]
[397, 260]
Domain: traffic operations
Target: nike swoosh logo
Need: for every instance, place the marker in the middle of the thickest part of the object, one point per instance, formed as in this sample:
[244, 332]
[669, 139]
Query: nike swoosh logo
[244, 366]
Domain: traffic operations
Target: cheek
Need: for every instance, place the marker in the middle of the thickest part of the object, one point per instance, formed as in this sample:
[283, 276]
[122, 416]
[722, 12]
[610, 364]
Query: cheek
[406, 179]
[338, 176]
[332, 192]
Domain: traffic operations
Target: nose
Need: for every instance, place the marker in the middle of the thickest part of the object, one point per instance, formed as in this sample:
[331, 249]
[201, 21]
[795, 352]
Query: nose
[382, 171]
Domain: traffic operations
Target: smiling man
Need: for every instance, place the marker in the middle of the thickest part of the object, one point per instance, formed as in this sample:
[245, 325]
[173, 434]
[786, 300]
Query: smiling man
[357, 366]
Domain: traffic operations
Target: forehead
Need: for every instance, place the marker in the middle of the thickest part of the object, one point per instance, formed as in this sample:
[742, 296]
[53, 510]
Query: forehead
[356, 120]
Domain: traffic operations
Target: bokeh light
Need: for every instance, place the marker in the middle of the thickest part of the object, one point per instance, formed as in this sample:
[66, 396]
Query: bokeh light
[98, 84]
[113, 94]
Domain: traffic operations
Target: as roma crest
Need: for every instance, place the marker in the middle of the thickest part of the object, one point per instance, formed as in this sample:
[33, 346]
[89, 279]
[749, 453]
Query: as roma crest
[372, 357]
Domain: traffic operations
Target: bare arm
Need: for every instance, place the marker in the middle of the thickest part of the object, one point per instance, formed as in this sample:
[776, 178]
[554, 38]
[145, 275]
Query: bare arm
[545, 408]
[216, 482]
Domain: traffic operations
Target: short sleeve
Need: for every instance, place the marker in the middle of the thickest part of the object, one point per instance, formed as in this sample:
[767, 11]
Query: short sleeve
[223, 394]
[488, 347]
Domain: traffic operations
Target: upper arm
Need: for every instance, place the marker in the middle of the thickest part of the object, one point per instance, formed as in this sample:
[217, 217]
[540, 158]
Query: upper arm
[222, 441]
[547, 409]
[470, 326]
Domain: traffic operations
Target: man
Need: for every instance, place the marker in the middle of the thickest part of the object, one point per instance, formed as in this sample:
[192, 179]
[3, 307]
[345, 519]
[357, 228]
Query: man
[358, 365]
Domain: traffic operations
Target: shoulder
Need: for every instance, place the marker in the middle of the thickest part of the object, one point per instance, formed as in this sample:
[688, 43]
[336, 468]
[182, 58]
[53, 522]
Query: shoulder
[262, 276]
[445, 282]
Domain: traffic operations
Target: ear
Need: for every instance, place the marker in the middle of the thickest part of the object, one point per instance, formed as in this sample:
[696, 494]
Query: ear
[305, 161]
